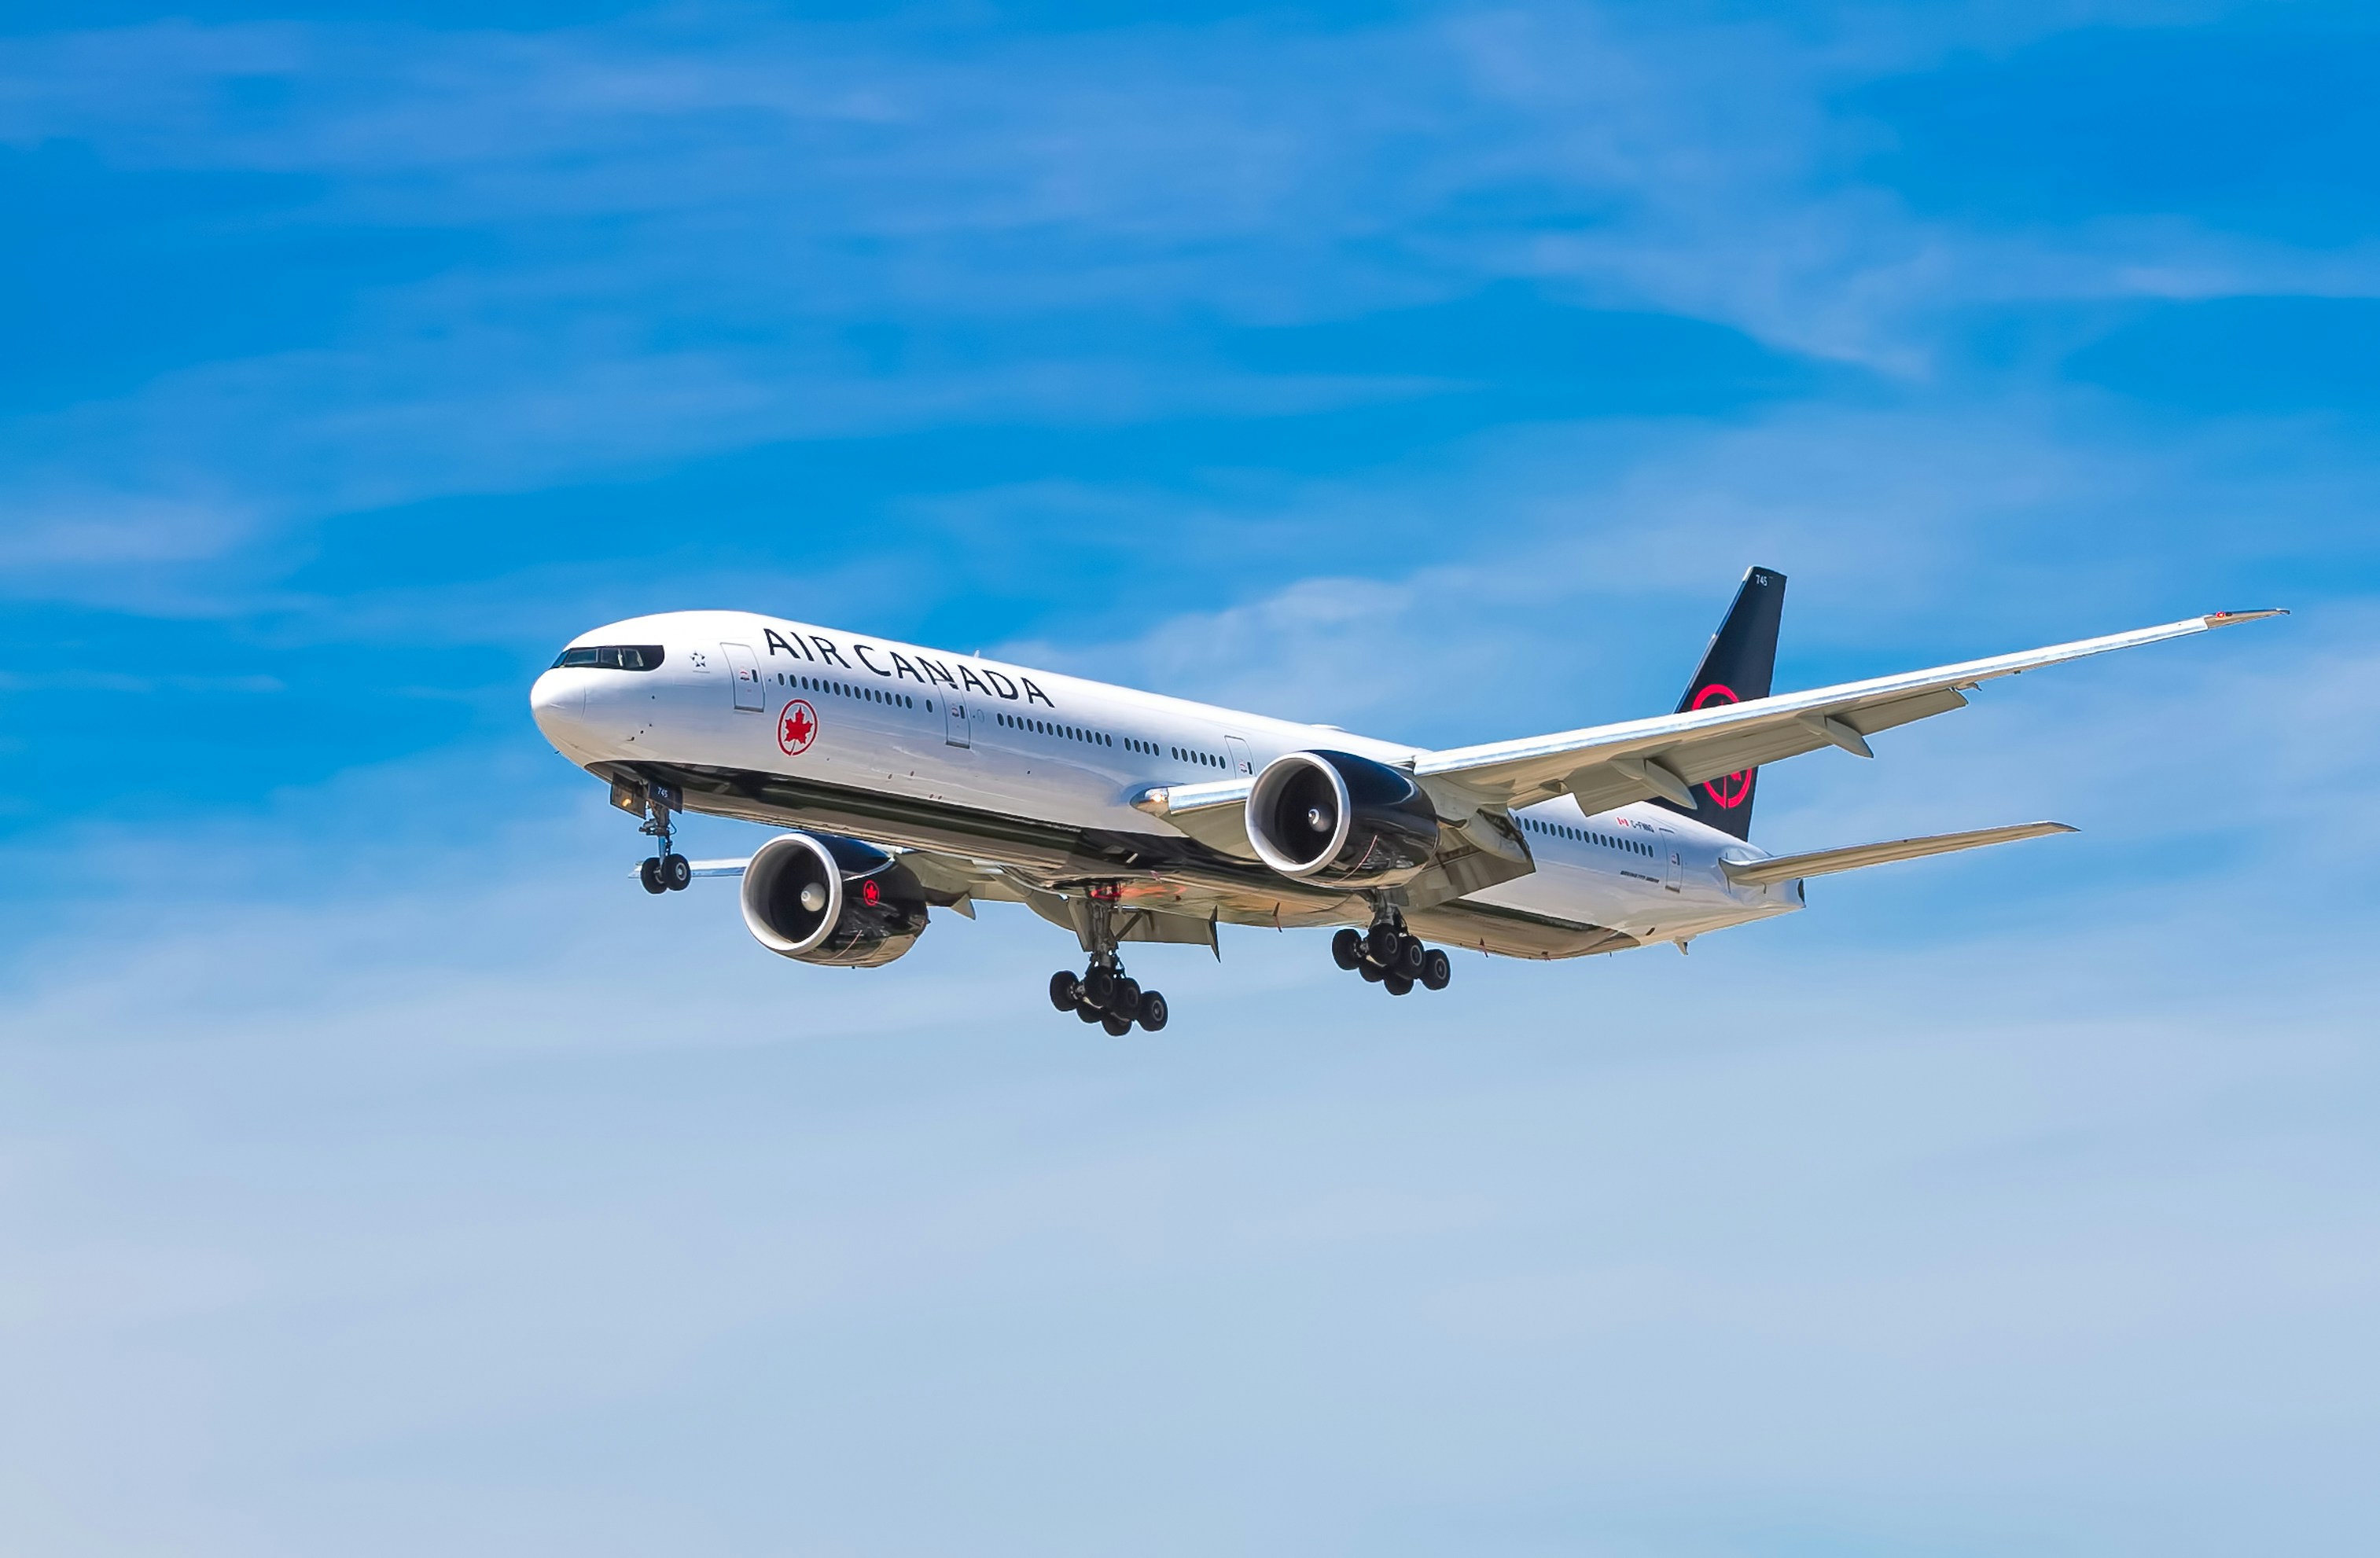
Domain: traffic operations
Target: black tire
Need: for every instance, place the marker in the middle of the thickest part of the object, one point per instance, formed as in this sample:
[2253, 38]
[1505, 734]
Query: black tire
[1153, 1011]
[1125, 1002]
[1099, 989]
[649, 874]
[1398, 984]
[1382, 944]
[1410, 958]
[1347, 948]
[678, 872]
[1437, 968]
[1371, 973]
[1065, 990]
[1088, 1012]
[1117, 1027]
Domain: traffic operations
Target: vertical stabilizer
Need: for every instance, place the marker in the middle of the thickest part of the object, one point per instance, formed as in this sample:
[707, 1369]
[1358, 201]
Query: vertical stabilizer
[1737, 667]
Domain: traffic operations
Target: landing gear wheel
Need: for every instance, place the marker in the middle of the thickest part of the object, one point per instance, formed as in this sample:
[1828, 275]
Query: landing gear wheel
[1371, 973]
[1117, 1027]
[649, 874]
[1099, 989]
[1088, 1012]
[1437, 967]
[1347, 948]
[1152, 1010]
[1382, 943]
[1398, 984]
[1409, 957]
[1125, 1002]
[1065, 990]
[676, 871]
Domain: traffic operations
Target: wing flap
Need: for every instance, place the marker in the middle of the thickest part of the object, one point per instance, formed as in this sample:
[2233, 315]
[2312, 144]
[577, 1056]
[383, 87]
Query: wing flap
[1883, 714]
[1825, 863]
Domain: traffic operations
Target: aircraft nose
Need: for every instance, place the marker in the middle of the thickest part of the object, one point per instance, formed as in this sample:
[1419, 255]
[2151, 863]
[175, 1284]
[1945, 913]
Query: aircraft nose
[558, 703]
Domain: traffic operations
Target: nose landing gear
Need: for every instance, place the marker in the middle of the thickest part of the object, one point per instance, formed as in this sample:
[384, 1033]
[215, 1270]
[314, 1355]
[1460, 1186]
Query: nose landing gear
[1103, 993]
[666, 871]
[1389, 955]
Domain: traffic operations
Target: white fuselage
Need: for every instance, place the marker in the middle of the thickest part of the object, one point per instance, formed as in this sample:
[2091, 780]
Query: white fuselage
[999, 756]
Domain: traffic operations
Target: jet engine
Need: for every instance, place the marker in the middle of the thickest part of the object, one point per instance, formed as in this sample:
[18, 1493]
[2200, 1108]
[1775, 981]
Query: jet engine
[1339, 820]
[817, 898]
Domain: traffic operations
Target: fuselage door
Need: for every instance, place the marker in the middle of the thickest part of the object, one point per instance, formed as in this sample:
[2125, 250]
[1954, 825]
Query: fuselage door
[1673, 872]
[954, 723]
[747, 668]
[1242, 763]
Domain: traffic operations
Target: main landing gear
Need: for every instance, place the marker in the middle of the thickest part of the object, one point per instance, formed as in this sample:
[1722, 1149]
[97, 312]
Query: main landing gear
[1389, 955]
[1103, 993]
[667, 871]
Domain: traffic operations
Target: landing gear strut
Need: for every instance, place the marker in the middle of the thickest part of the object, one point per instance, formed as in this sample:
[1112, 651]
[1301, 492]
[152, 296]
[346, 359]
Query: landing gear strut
[1103, 993]
[1388, 954]
[666, 871]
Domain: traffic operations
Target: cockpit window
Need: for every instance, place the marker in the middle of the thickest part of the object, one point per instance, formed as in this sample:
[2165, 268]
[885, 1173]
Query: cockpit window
[613, 656]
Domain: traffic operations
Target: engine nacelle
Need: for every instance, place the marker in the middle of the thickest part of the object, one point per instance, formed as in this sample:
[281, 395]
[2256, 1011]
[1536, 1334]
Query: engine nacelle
[820, 899]
[1340, 820]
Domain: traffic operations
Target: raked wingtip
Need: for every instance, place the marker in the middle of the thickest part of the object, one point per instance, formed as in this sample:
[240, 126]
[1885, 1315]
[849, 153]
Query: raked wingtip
[2224, 619]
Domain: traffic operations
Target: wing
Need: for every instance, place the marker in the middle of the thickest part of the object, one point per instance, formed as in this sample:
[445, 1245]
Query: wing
[951, 881]
[1608, 766]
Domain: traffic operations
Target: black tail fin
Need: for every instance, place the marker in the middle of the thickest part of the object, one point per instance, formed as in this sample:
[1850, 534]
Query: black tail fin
[1737, 667]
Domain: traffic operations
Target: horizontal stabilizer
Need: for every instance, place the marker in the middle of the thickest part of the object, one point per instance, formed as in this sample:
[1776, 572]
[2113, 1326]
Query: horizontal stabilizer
[1821, 862]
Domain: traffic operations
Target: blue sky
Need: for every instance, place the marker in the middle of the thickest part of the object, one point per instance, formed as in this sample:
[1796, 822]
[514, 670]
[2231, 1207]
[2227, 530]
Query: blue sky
[381, 1173]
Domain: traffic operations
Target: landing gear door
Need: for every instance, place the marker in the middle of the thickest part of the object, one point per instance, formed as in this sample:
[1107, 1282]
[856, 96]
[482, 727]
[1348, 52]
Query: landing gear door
[954, 722]
[740, 660]
[1242, 763]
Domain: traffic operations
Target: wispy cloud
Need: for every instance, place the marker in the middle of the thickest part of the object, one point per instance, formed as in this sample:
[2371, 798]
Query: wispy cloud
[696, 213]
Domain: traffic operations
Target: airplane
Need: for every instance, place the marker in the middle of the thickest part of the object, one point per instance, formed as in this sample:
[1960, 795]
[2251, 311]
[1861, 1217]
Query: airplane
[902, 779]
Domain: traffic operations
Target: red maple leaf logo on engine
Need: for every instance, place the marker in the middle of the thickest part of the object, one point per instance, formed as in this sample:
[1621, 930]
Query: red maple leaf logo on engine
[796, 728]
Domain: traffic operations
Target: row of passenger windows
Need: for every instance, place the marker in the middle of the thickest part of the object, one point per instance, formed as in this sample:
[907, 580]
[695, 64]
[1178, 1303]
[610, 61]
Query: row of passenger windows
[1051, 728]
[612, 657]
[647, 657]
[1101, 738]
[850, 690]
[1585, 836]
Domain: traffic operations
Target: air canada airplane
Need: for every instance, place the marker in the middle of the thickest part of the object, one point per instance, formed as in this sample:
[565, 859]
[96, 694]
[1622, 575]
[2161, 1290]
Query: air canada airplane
[902, 779]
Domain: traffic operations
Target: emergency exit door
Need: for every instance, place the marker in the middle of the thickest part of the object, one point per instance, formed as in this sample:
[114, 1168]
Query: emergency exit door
[954, 722]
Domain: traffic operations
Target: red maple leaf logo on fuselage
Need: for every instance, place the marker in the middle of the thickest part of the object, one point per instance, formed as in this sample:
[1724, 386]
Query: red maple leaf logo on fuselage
[796, 728]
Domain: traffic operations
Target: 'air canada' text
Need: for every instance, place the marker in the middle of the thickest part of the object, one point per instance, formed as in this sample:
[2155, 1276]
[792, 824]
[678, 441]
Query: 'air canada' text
[922, 668]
